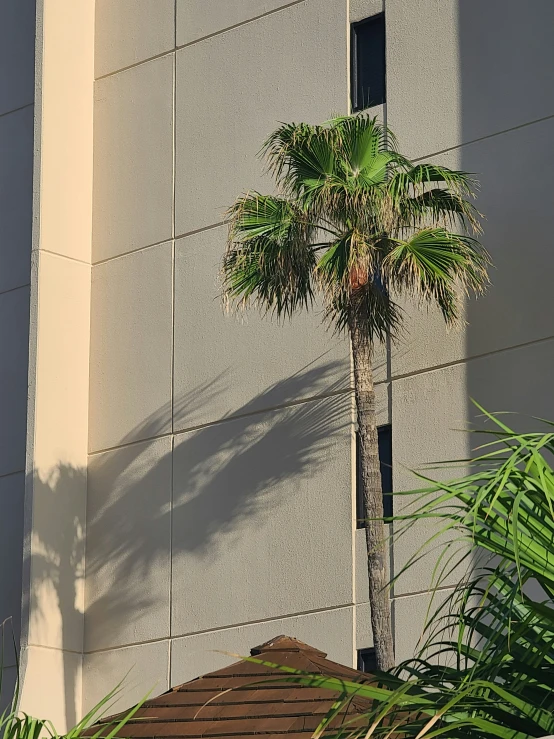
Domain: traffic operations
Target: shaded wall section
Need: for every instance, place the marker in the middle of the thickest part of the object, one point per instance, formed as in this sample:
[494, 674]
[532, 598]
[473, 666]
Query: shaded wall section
[17, 34]
[471, 87]
[507, 129]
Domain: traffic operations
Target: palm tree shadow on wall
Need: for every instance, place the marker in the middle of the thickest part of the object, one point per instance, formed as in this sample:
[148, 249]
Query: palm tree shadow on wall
[57, 574]
[227, 477]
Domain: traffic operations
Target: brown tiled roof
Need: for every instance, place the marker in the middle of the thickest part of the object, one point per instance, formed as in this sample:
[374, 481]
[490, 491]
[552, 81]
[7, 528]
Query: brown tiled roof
[247, 699]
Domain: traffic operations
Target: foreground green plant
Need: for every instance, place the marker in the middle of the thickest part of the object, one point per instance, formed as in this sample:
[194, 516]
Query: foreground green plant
[502, 614]
[487, 668]
[358, 223]
[15, 724]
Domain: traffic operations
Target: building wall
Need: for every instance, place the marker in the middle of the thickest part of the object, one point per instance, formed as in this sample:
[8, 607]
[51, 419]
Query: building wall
[220, 507]
[204, 501]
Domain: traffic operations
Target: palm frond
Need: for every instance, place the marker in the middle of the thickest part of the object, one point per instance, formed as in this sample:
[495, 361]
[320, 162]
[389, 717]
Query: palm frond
[433, 263]
[413, 181]
[269, 259]
[441, 207]
[300, 156]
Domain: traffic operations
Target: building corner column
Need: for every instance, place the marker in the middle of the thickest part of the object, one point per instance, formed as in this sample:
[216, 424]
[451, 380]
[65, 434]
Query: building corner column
[57, 419]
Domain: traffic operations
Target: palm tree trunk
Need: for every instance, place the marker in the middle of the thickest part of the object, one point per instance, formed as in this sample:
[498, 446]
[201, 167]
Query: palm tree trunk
[377, 549]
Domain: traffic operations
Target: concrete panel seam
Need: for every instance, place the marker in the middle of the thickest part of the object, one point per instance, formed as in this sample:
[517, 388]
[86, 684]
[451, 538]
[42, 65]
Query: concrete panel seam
[228, 627]
[473, 357]
[171, 502]
[16, 110]
[13, 289]
[173, 210]
[416, 593]
[61, 256]
[241, 24]
[55, 649]
[261, 411]
[171, 496]
[11, 474]
[201, 230]
[131, 251]
[158, 243]
[161, 55]
[484, 138]
[174, 23]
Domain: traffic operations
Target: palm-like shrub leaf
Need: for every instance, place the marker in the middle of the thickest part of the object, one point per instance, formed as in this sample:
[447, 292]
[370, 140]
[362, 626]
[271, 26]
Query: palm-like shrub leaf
[486, 669]
[15, 724]
[496, 629]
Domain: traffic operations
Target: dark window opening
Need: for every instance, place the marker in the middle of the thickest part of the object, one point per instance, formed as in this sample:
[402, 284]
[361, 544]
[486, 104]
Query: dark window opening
[385, 459]
[368, 63]
[367, 661]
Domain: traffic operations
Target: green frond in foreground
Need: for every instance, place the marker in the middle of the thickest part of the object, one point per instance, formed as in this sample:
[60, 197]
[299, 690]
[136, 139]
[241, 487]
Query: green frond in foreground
[490, 645]
[354, 222]
[486, 668]
[15, 724]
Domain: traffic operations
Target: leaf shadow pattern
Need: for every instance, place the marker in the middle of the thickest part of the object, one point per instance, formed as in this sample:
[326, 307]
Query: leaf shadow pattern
[170, 498]
[202, 492]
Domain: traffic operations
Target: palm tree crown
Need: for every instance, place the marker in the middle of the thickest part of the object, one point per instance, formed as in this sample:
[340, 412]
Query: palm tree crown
[356, 221]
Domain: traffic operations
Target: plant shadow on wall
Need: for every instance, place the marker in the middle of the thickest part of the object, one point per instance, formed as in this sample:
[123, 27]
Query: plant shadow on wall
[229, 479]
[57, 574]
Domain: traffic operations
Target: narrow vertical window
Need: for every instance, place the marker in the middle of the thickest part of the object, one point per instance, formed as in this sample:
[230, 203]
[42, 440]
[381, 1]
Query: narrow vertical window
[366, 660]
[368, 63]
[385, 459]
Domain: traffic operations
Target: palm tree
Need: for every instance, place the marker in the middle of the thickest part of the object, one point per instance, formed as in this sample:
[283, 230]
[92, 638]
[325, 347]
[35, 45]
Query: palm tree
[360, 224]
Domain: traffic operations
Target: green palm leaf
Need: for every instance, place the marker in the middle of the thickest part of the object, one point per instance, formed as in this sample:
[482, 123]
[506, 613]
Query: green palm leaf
[433, 263]
[269, 259]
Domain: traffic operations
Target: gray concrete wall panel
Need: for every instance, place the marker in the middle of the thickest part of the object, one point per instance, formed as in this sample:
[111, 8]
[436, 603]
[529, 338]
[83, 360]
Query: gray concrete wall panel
[130, 31]
[133, 159]
[262, 518]
[16, 194]
[228, 364]
[17, 54]
[131, 339]
[14, 338]
[128, 537]
[232, 91]
[197, 19]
